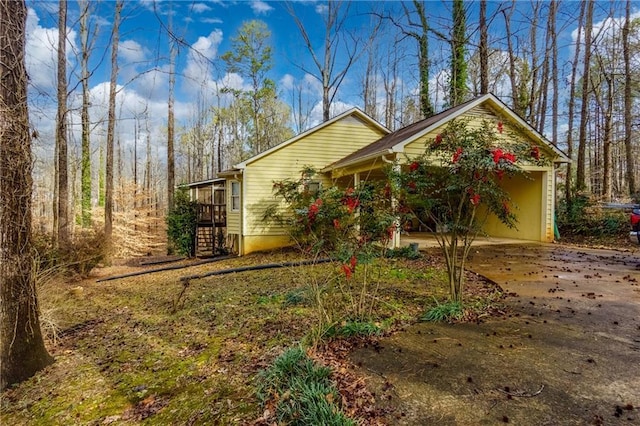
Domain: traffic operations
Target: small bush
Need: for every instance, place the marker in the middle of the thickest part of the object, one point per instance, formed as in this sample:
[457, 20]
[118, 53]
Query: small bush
[79, 256]
[298, 297]
[181, 224]
[302, 389]
[448, 311]
[406, 252]
[582, 217]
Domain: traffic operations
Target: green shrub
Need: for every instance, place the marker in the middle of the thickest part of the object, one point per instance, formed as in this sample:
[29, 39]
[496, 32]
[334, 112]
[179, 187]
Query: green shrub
[355, 328]
[582, 217]
[406, 252]
[448, 311]
[297, 297]
[181, 224]
[302, 389]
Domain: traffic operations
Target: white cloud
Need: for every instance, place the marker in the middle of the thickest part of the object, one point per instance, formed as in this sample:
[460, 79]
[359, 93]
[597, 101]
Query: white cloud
[337, 108]
[322, 9]
[260, 7]
[287, 82]
[41, 53]
[211, 21]
[200, 66]
[131, 51]
[233, 81]
[208, 46]
[200, 8]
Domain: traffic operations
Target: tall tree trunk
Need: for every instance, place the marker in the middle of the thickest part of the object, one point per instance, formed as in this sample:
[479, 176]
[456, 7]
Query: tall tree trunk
[484, 49]
[532, 118]
[543, 92]
[572, 96]
[370, 84]
[423, 59]
[101, 175]
[553, 10]
[458, 83]
[631, 161]
[581, 183]
[111, 125]
[607, 141]
[512, 61]
[22, 350]
[389, 81]
[61, 129]
[171, 122]
[85, 179]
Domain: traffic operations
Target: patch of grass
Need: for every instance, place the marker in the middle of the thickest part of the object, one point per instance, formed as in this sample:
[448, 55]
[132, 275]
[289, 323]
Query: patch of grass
[448, 311]
[406, 252]
[296, 297]
[302, 391]
[267, 299]
[137, 362]
[358, 329]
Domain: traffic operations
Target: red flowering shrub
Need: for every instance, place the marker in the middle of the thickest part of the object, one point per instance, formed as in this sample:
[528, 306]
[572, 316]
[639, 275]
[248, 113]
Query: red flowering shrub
[349, 225]
[456, 155]
[456, 184]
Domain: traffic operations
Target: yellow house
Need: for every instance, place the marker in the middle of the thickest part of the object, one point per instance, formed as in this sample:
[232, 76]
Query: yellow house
[250, 183]
[353, 147]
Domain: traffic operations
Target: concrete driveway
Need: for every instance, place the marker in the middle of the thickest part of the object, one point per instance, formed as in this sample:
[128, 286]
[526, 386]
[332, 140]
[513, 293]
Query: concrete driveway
[567, 354]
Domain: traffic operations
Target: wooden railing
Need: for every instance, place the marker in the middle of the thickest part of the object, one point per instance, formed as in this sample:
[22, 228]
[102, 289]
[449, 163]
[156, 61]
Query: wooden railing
[215, 214]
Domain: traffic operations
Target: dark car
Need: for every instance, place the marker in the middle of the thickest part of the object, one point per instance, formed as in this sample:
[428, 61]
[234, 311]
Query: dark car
[635, 226]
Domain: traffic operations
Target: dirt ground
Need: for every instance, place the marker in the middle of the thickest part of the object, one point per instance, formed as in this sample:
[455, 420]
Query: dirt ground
[567, 353]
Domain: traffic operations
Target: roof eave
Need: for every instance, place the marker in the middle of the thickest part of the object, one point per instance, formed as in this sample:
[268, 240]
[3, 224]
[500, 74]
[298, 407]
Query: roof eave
[356, 161]
[230, 173]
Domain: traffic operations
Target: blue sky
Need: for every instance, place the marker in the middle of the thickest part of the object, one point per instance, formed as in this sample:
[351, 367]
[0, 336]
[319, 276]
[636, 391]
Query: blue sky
[205, 29]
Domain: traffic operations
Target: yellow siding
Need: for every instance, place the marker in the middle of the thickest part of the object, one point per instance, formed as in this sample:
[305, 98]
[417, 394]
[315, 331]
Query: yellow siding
[233, 218]
[476, 116]
[319, 149]
[534, 196]
[255, 243]
[527, 204]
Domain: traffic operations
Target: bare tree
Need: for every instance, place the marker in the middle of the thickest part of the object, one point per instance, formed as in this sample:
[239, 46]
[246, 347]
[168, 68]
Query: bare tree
[22, 350]
[85, 179]
[328, 71]
[111, 124]
[572, 95]
[626, 51]
[171, 167]
[543, 91]
[517, 105]
[62, 230]
[581, 183]
[369, 87]
[419, 31]
[533, 89]
[553, 11]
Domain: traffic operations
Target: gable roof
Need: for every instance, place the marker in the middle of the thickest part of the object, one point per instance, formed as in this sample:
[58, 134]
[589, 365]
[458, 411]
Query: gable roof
[396, 141]
[203, 182]
[351, 112]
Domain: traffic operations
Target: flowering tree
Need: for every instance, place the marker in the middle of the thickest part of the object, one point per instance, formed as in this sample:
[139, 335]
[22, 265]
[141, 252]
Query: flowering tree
[456, 184]
[348, 225]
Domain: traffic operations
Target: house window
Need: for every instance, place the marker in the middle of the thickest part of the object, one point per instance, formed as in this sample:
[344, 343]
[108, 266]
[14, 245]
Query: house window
[235, 196]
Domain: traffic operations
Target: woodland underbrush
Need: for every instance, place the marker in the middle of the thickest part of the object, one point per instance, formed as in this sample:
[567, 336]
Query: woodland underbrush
[125, 356]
